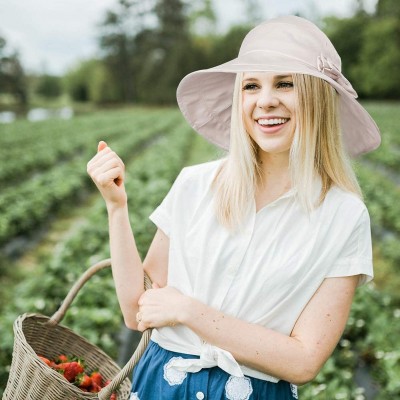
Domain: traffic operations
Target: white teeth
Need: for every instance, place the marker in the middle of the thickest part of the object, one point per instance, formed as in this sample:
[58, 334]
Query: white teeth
[275, 121]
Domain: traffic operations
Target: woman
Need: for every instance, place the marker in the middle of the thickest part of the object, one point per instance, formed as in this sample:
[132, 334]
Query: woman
[257, 256]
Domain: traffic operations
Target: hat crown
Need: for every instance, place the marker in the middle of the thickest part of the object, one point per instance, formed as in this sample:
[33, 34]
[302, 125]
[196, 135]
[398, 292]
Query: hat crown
[294, 37]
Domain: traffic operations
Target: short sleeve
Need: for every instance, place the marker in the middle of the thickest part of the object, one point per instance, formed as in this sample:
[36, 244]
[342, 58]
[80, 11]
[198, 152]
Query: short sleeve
[162, 215]
[356, 255]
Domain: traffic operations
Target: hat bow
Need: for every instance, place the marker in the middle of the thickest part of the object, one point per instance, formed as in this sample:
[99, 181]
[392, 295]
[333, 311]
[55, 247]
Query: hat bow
[328, 68]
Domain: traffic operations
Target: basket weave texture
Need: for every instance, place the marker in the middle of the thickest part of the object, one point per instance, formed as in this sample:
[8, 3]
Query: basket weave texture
[35, 334]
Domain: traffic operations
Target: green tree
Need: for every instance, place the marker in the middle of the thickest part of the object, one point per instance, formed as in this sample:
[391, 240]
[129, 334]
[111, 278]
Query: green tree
[377, 70]
[101, 86]
[166, 53]
[117, 42]
[347, 35]
[227, 47]
[88, 81]
[12, 75]
[49, 86]
[388, 8]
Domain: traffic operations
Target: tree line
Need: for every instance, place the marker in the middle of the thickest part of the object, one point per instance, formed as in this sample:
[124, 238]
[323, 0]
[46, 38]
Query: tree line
[145, 47]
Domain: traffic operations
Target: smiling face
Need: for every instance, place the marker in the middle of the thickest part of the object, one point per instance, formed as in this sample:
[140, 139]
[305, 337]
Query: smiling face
[268, 102]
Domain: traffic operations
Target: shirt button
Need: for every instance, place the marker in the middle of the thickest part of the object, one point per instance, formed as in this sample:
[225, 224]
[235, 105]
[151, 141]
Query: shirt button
[200, 395]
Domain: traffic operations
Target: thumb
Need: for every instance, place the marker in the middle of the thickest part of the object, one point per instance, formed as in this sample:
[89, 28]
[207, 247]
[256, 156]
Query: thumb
[155, 285]
[101, 146]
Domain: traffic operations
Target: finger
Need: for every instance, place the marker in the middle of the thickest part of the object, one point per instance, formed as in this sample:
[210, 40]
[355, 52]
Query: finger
[112, 165]
[142, 327]
[155, 285]
[101, 146]
[102, 162]
[106, 164]
[98, 156]
[109, 177]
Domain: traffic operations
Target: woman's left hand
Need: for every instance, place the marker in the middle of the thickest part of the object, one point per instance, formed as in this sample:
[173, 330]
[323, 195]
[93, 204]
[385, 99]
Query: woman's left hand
[159, 307]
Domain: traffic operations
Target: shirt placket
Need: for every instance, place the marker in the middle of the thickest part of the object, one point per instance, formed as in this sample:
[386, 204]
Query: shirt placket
[230, 271]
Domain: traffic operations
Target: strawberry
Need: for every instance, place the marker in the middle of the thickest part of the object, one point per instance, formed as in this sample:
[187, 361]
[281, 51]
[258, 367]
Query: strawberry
[46, 361]
[61, 366]
[96, 377]
[71, 370]
[95, 387]
[62, 358]
[83, 381]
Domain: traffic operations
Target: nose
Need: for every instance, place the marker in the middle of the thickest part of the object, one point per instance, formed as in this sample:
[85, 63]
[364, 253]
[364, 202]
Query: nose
[267, 99]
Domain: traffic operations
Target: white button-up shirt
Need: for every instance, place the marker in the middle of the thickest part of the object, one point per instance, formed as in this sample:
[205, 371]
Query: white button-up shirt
[266, 272]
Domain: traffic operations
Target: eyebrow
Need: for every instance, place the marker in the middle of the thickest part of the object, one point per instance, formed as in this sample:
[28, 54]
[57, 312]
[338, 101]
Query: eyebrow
[276, 77]
[283, 76]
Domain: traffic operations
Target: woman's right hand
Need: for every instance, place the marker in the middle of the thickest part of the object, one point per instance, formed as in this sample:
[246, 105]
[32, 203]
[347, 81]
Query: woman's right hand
[108, 172]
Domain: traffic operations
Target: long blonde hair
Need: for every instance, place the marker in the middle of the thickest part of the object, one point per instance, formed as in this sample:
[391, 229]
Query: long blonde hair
[316, 151]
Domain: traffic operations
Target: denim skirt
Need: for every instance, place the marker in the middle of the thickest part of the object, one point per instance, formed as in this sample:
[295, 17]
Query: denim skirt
[152, 381]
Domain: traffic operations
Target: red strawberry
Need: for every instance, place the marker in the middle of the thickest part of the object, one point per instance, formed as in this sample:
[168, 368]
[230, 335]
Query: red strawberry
[95, 388]
[62, 358]
[46, 361]
[71, 370]
[61, 366]
[113, 396]
[97, 378]
[83, 381]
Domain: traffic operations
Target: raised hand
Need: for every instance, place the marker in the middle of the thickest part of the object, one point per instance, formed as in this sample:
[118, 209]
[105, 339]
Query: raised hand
[108, 172]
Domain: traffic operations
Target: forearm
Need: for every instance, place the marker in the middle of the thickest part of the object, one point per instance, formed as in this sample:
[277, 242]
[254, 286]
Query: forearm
[252, 345]
[127, 267]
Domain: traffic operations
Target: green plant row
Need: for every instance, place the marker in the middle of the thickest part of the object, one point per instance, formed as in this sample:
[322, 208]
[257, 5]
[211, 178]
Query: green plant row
[95, 313]
[25, 207]
[387, 117]
[35, 148]
[382, 199]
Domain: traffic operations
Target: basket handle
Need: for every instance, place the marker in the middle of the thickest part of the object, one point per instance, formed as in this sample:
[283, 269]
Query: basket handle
[57, 317]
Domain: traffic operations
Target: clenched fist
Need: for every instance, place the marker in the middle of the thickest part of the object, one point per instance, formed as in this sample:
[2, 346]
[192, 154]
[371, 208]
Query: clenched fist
[107, 172]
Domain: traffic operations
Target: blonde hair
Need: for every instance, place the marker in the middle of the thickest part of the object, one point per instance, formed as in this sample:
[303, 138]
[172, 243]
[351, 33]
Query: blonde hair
[316, 151]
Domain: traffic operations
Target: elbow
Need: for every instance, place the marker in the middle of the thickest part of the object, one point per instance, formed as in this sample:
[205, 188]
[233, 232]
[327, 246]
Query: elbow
[131, 323]
[303, 377]
[306, 372]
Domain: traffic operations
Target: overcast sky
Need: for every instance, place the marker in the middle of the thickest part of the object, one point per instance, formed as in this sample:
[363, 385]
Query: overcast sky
[51, 35]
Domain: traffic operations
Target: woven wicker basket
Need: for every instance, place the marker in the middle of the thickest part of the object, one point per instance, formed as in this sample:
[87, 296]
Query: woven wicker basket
[30, 378]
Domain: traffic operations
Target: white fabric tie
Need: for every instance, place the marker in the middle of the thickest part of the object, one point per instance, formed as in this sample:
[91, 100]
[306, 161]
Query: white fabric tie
[210, 356]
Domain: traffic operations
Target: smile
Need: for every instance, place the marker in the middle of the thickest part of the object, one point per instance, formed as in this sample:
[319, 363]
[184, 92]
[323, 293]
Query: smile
[272, 121]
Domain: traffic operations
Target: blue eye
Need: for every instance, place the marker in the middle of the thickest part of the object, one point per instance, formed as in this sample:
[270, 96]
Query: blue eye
[250, 86]
[285, 85]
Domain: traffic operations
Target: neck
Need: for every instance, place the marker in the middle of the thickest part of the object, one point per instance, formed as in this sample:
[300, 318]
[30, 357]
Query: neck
[275, 169]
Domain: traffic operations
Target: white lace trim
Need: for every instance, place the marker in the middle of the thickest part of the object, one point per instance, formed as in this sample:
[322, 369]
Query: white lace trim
[134, 396]
[293, 388]
[237, 388]
[172, 375]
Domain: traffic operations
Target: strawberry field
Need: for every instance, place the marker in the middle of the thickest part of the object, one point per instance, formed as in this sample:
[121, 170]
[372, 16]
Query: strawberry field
[53, 225]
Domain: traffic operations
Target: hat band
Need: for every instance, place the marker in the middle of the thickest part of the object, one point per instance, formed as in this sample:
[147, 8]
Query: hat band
[283, 62]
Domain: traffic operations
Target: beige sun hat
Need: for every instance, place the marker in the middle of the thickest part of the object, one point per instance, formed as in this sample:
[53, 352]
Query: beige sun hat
[287, 44]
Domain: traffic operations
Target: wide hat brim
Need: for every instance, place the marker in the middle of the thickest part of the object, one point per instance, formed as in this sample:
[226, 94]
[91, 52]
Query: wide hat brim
[205, 99]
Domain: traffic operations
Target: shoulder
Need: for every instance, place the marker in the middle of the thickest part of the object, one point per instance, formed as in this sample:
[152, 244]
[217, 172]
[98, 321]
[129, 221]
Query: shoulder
[346, 206]
[340, 197]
